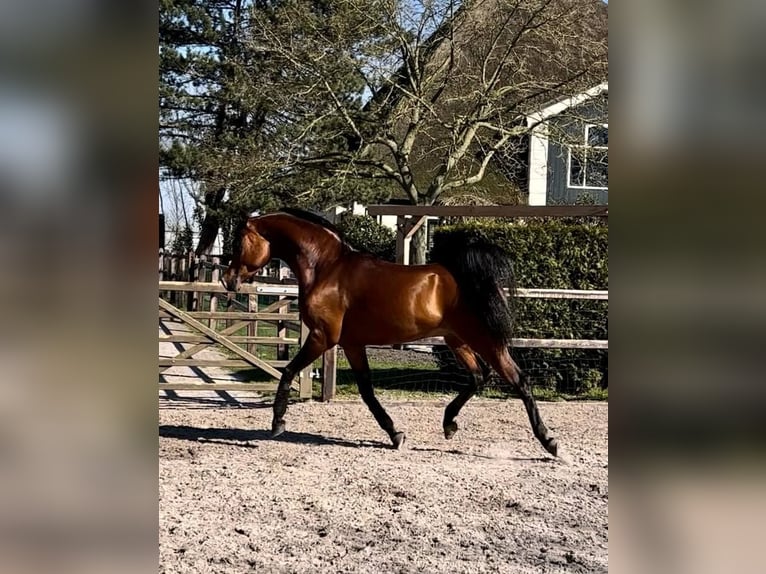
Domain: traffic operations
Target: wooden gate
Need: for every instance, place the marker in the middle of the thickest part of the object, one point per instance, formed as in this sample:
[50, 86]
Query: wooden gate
[238, 330]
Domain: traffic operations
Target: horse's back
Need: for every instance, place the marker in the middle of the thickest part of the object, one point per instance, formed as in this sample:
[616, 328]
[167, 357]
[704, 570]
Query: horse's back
[367, 276]
[390, 303]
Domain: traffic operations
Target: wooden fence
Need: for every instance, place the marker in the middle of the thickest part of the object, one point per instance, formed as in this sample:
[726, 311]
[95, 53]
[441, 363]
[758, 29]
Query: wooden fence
[277, 314]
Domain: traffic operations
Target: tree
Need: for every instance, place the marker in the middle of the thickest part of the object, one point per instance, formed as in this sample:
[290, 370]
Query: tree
[198, 53]
[224, 121]
[451, 85]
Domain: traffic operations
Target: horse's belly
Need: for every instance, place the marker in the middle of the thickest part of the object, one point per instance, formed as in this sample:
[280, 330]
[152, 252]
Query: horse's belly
[378, 336]
[388, 326]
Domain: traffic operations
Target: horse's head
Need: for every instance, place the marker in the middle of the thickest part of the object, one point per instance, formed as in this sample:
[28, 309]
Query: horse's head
[251, 251]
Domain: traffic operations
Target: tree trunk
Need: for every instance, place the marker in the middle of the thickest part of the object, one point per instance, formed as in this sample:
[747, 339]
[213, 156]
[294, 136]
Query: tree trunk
[419, 246]
[419, 243]
[212, 222]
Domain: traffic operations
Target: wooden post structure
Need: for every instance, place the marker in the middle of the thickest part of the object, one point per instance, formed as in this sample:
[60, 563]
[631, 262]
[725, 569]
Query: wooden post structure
[194, 267]
[183, 270]
[329, 362]
[283, 353]
[405, 228]
[304, 379]
[252, 326]
[214, 278]
[173, 267]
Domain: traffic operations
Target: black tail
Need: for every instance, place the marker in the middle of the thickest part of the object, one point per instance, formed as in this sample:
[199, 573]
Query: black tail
[481, 270]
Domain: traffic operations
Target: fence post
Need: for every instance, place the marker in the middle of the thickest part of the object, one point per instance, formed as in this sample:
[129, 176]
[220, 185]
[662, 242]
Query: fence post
[252, 326]
[215, 275]
[173, 265]
[283, 352]
[405, 229]
[329, 371]
[402, 245]
[187, 274]
[194, 266]
[305, 387]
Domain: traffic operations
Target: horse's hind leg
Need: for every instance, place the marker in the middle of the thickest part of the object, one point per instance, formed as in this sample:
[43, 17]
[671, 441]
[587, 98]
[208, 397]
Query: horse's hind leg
[466, 357]
[357, 358]
[501, 361]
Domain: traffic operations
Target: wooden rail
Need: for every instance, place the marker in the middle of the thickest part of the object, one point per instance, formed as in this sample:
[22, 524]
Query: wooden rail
[601, 295]
[293, 290]
[411, 217]
[238, 339]
[534, 343]
[243, 315]
[490, 210]
[173, 362]
[210, 287]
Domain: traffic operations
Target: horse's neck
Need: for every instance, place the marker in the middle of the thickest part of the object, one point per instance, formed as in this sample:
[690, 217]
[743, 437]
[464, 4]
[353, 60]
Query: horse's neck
[304, 252]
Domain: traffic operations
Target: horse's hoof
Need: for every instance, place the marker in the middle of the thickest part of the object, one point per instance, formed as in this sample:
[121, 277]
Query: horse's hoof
[552, 447]
[277, 428]
[398, 440]
[450, 429]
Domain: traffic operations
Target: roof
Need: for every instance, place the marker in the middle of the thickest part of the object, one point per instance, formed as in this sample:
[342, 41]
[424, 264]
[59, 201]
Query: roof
[563, 104]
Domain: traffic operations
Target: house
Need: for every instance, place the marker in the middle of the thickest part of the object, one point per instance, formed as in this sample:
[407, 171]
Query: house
[333, 213]
[568, 150]
[565, 158]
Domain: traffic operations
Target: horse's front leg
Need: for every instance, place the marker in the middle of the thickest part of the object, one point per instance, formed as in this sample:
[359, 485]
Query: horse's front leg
[315, 345]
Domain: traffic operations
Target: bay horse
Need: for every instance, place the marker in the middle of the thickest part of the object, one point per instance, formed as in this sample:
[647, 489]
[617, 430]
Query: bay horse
[353, 299]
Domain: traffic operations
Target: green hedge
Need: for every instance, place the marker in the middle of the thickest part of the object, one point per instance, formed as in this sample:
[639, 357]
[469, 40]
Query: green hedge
[554, 255]
[366, 234]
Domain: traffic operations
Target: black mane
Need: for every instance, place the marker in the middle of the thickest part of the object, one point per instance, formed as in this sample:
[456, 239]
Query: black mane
[236, 235]
[314, 218]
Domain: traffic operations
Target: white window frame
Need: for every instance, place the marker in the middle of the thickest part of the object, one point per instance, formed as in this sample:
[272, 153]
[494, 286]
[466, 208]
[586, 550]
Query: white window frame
[585, 160]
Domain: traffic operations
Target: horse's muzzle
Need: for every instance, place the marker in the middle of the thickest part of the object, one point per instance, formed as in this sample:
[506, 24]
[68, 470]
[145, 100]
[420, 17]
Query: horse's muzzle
[231, 282]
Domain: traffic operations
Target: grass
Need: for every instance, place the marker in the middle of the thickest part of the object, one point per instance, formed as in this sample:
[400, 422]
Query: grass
[267, 352]
[416, 379]
[420, 385]
[401, 382]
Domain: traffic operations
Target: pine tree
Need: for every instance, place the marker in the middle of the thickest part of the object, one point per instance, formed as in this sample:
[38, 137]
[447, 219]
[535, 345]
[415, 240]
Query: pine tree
[234, 117]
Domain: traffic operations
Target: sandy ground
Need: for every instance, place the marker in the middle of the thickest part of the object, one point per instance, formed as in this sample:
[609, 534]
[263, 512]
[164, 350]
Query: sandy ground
[331, 496]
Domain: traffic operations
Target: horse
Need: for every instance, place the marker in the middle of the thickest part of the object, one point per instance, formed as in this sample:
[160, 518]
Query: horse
[353, 299]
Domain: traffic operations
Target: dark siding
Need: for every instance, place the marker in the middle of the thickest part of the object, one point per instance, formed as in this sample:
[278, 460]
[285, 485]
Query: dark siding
[563, 129]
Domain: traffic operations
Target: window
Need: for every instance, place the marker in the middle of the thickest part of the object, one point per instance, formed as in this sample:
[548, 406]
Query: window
[588, 166]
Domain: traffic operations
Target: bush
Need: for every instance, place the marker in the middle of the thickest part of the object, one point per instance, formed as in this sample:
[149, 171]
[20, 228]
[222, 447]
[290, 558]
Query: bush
[554, 255]
[366, 234]
[183, 241]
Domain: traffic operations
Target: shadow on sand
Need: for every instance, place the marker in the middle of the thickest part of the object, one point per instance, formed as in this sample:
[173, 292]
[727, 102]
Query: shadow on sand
[247, 437]
[486, 456]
